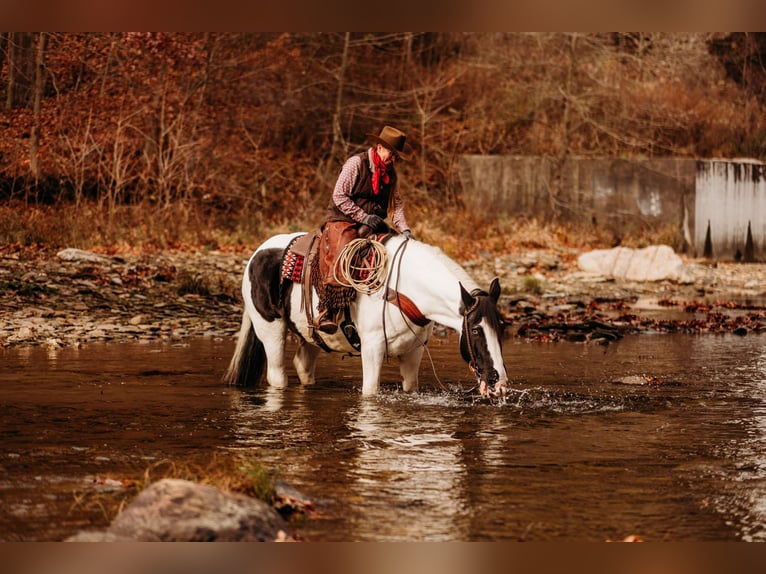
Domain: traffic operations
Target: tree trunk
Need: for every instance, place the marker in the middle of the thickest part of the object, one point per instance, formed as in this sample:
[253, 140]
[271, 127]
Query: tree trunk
[34, 140]
[11, 71]
[337, 133]
[4, 44]
[20, 68]
[566, 127]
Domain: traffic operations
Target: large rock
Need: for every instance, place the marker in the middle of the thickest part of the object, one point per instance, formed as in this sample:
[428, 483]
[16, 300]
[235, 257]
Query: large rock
[173, 510]
[653, 263]
[81, 256]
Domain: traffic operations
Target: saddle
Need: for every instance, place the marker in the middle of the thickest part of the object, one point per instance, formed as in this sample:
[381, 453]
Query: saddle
[300, 264]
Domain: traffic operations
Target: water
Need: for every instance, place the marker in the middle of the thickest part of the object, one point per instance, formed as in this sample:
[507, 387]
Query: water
[572, 454]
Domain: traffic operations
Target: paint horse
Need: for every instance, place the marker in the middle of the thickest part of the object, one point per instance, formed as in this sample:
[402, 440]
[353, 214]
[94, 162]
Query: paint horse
[423, 287]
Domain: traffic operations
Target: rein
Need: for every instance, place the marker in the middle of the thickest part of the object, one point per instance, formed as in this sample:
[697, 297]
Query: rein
[410, 311]
[406, 306]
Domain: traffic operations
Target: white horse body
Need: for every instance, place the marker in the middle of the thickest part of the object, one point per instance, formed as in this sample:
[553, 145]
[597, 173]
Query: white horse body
[419, 271]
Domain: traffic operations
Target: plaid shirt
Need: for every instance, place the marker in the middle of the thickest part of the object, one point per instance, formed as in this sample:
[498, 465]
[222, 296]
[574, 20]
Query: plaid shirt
[341, 195]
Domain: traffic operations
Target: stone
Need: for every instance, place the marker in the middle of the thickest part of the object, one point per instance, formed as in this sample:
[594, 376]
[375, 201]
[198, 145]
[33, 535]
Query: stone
[97, 536]
[81, 256]
[24, 333]
[184, 511]
[653, 263]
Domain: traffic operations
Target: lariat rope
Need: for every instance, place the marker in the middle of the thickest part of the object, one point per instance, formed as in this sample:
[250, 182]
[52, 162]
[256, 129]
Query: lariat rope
[362, 264]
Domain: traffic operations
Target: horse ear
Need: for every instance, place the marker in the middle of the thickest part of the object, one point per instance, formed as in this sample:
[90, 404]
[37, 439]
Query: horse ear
[468, 299]
[494, 289]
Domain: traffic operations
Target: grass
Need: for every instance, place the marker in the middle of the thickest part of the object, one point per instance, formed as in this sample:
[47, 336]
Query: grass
[193, 283]
[533, 285]
[235, 472]
[147, 228]
[238, 473]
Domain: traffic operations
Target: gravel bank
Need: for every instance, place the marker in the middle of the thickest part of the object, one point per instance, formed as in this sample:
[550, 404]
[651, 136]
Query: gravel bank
[71, 298]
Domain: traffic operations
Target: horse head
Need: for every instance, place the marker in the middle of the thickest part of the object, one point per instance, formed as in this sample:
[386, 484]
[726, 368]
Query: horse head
[481, 338]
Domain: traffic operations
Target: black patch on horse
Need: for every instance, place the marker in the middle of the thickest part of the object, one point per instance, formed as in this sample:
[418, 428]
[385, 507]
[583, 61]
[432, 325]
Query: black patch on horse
[265, 280]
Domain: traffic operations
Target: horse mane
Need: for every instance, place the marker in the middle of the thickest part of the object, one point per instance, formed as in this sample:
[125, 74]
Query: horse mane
[453, 267]
[486, 306]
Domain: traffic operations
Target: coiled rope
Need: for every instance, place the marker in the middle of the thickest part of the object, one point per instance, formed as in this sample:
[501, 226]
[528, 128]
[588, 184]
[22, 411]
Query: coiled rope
[362, 264]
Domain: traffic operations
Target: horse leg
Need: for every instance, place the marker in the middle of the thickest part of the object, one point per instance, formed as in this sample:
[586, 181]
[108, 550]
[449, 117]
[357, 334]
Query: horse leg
[305, 361]
[272, 334]
[260, 291]
[409, 365]
[372, 362]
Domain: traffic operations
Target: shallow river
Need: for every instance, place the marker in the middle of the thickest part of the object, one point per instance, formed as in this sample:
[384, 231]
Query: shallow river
[572, 454]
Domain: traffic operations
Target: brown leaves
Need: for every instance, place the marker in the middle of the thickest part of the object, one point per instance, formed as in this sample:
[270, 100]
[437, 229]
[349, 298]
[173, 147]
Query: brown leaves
[595, 321]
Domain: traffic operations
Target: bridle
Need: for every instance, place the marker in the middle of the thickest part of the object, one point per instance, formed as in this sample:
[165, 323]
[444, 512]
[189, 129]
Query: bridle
[471, 359]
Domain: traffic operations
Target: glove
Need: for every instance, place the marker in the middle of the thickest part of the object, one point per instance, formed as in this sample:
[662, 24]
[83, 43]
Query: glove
[375, 222]
[407, 234]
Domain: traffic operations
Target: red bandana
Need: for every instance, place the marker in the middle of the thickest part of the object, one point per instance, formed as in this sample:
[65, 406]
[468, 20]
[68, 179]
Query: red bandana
[380, 172]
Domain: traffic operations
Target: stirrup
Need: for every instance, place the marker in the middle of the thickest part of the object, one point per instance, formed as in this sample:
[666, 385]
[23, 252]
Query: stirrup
[324, 324]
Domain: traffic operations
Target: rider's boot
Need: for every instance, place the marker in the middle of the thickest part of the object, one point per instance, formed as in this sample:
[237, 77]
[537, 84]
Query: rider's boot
[325, 322]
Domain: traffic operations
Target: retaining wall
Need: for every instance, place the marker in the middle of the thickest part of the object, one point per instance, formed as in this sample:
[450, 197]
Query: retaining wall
[731, 203]
[627, 196]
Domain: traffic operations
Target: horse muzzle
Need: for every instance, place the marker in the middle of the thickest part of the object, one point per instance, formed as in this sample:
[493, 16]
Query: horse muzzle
[491, 386]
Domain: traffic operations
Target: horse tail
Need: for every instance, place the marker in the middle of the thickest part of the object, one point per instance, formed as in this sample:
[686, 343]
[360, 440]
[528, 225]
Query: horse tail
[249, 360]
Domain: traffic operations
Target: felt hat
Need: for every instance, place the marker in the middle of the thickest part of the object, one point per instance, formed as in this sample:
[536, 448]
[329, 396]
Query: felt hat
[394, 140]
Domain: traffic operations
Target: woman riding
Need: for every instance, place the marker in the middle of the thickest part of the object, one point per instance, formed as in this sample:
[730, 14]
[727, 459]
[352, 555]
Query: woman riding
[365, 191]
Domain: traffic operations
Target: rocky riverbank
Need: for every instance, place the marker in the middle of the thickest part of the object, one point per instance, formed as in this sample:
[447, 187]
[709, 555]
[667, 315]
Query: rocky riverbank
[72, 297]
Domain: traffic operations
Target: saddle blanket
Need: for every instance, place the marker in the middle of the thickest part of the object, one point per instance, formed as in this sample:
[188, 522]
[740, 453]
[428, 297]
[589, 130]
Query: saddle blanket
[292, 266]
[294, 259]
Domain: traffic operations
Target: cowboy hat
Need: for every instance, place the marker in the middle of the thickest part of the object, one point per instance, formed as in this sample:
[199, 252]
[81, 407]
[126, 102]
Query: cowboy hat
[394, 140]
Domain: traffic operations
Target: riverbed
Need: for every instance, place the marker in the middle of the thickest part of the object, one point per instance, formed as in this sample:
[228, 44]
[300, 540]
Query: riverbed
[658, 437]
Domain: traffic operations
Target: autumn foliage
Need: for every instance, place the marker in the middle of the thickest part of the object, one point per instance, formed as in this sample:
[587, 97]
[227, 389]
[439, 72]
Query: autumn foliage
[217, 137]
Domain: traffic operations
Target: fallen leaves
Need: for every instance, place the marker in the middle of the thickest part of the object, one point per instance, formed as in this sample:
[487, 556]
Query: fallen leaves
[603, 322]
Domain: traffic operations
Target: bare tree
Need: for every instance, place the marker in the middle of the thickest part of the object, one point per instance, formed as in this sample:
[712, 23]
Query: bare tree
[21, 64]
[337, 132]
[34, 140]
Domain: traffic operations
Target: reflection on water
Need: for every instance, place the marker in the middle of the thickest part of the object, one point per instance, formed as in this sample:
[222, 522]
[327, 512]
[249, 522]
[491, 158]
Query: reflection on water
[577, 451]
[743, 484]
[415, 471]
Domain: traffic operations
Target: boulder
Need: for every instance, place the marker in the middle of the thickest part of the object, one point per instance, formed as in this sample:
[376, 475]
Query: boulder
[174, 510]
[81, 256]
[653, 263]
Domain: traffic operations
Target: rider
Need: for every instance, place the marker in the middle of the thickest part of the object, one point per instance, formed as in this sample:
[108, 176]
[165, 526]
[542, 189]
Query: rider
[364, 192]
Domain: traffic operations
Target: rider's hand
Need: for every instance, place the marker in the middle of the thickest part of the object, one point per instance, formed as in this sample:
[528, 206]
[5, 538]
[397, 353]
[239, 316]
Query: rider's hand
[375, 222]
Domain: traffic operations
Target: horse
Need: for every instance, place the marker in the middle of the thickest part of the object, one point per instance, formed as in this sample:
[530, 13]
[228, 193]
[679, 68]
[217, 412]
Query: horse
[423, 286]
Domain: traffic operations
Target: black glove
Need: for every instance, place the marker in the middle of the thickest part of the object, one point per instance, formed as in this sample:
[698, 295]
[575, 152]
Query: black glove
[407, 234]
[375, 222]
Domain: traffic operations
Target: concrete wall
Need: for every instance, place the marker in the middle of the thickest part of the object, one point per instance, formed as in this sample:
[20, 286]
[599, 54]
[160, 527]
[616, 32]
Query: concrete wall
[628, 195]
[731, 195]
[618, 194]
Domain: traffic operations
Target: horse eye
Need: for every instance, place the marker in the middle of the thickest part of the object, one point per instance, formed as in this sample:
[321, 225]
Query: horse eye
[475, 331]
